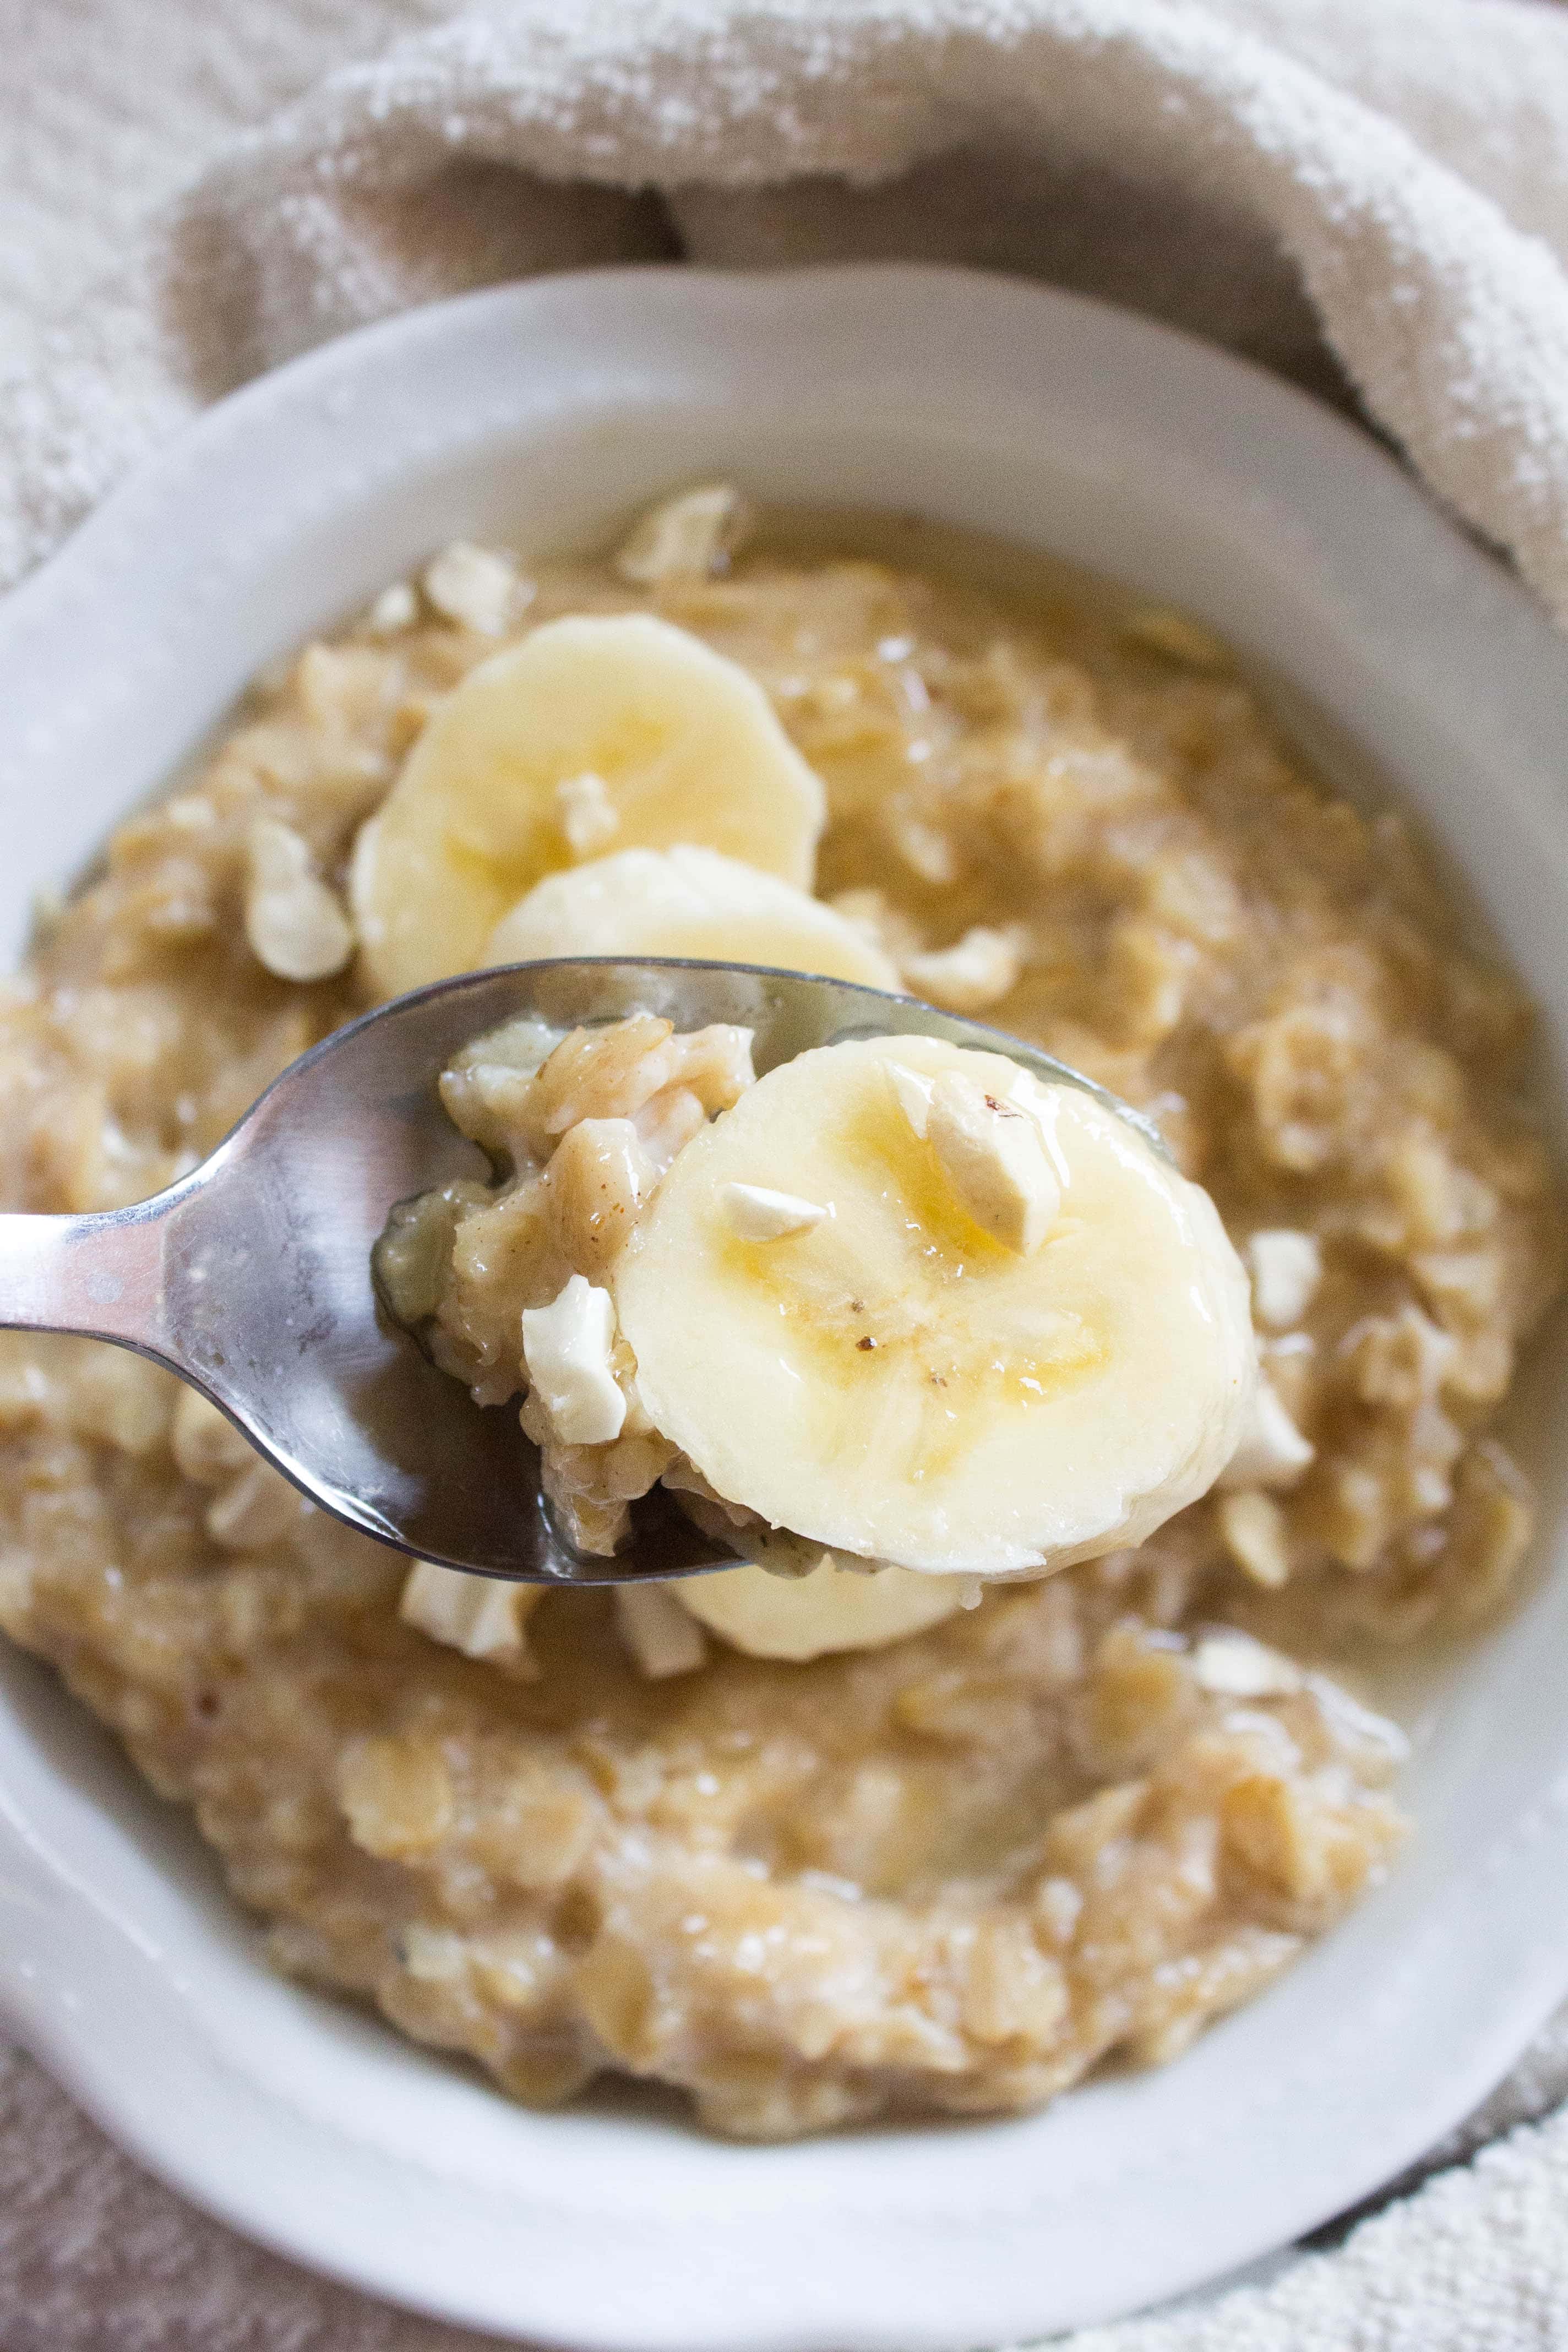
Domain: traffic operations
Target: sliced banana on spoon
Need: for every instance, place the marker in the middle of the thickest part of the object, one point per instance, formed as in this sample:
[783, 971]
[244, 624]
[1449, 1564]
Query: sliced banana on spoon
[984, 1358]
[596, 733]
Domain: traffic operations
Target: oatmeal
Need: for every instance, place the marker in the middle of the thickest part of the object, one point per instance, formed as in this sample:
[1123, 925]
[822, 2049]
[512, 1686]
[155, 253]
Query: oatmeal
[566, 1834]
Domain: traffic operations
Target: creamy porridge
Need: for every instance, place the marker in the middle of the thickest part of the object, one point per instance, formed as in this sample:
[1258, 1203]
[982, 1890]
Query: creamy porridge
[952, 1869]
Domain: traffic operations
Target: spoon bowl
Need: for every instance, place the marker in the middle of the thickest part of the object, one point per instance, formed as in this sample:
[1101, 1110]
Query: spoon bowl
[251, 1277]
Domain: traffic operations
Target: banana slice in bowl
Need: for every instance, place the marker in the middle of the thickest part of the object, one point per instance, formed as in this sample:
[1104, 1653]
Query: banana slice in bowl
[798, 1618]
[685, 901]
[595, 733]
[997, 1334]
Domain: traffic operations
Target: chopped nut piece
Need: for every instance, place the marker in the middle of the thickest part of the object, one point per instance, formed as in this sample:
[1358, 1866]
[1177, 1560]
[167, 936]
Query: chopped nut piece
[1252, 1529]
[925, 849]
[475, 587]
[756, 1214]
[1235, 1665]
[587, 815]
[1272, 1452]
[994, 1158]
[1286, 1269]
[295, 924]
[487, 1091]
[1058, 1903]
[566, 1348]
[978, 970]
[913, 1091]
[690, 534]
[394, 609]
[483, 1616]
[664, 1638]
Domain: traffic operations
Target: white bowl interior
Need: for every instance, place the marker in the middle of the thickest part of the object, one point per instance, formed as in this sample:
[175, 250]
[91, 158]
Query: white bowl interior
[539, 414]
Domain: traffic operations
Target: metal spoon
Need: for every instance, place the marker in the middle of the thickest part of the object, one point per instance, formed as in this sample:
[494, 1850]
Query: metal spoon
[251, 1278]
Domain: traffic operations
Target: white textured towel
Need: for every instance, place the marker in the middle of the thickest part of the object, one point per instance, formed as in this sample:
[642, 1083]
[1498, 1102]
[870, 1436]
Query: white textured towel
[1371, 196]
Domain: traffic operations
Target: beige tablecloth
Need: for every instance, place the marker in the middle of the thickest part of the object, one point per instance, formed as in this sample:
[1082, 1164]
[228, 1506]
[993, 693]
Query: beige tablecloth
[1371, 196]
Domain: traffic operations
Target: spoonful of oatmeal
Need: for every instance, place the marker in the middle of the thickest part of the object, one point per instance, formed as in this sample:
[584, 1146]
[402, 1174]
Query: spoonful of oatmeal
[745, 1259]
[597, 1269]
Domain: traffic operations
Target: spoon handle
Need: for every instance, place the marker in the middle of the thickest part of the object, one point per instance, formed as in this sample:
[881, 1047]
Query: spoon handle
[99, 1277]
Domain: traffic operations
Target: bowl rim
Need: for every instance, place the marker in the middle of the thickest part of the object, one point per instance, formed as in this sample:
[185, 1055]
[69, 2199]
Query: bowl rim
[86, 1905]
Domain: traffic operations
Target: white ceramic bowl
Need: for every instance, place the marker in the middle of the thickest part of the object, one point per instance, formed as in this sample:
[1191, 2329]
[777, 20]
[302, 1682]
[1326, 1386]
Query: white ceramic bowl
[539, 412]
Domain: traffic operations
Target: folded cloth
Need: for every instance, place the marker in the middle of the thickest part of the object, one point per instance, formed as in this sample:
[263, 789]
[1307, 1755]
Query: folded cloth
[1371, 196]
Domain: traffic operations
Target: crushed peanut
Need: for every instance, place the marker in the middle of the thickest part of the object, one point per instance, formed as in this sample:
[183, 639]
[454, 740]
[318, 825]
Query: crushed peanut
[395, 609]
[1256, 1534]
[588, 815]
[483, 1616]
[295, 924]
[568, 1353]
[993, 1158]
[1272, 1452]
[756, 1214]
[475, 587]
[970, 976]
[1286, 1269]
[687, 537]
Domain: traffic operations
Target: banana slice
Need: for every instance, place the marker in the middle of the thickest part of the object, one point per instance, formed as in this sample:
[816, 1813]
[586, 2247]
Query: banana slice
[598, 731]
[685, 901]
[898, 1381]
[803, 1617]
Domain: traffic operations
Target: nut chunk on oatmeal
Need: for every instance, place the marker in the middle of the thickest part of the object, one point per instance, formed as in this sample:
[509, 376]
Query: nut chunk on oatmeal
[815, 1844]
